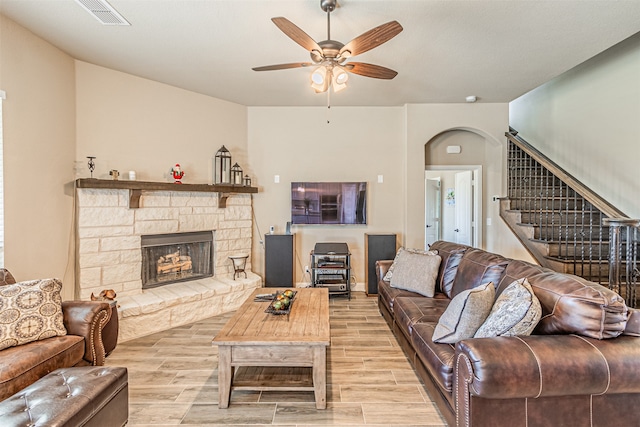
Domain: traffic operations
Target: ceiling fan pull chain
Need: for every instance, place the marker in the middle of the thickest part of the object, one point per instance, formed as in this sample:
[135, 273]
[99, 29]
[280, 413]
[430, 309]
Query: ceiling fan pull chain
[329, 106]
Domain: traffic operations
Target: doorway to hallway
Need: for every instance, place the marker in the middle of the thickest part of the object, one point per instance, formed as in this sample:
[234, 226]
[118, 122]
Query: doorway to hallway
[453, 204]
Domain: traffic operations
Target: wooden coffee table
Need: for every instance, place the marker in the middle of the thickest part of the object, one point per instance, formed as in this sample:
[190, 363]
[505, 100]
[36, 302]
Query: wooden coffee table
[278, 346]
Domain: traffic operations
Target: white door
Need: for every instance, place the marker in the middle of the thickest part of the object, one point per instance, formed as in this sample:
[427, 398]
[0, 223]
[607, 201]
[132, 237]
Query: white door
[463, 208]
[432, 217]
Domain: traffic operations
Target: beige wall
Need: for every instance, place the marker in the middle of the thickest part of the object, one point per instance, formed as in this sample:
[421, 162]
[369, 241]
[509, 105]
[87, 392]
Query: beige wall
[39, 144]
[426, 122]
[131, 123]
[297, 144]
[588, 121]
[359, 144]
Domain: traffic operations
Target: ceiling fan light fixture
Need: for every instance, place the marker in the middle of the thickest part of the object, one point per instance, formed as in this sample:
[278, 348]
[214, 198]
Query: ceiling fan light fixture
[329, 56]
[319, 79]
[340, 76]
[339, 79]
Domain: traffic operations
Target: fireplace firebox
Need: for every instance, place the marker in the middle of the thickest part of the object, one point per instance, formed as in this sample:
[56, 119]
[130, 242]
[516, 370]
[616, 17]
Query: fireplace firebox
[176, 257]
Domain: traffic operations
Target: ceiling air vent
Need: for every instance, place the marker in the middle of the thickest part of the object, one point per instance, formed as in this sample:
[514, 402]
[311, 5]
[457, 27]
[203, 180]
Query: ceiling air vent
[103, 12]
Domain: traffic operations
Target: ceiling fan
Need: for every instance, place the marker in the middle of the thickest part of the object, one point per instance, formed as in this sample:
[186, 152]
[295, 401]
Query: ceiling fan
[330, 56]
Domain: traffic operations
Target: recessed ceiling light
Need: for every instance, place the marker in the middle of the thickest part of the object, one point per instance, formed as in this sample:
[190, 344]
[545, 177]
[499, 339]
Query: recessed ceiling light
[471, 98]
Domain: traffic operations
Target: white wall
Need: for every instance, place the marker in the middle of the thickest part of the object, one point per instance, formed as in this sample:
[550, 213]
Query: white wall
[588, 121]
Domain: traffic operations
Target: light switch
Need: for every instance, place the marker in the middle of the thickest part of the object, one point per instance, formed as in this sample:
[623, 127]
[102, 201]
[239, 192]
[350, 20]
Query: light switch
[488, 221]
[276, 179]
[380, 179]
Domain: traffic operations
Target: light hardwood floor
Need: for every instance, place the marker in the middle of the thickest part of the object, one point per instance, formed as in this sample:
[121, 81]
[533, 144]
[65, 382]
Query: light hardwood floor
[173, 378]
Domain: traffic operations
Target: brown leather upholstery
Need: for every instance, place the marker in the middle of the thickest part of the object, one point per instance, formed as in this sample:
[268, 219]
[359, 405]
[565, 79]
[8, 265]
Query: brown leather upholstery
[633, 323]
[577, 368]
[389, 294]
[549, 365]
[517, 270]
[539, 380]
[86, 396]
[448, 265]
[86, 319]
[477, 268]
[571, 304]
[23, 365]
[6, 278]
[437, 358]
[407, 311]
[110, 330]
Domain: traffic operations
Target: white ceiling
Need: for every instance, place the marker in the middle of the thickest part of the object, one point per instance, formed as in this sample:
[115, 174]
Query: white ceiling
[449, 49]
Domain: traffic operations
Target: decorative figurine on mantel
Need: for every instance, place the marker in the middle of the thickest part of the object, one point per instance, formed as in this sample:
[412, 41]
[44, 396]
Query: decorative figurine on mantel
[177, 173]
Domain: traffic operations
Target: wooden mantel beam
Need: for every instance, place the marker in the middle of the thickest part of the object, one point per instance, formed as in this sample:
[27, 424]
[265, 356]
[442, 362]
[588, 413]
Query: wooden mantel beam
[137, 187]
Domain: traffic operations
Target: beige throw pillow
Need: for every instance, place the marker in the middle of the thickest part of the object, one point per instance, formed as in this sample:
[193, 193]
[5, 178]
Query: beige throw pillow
[389, 274]
[464, 315]
[416, 272]
[30, 311]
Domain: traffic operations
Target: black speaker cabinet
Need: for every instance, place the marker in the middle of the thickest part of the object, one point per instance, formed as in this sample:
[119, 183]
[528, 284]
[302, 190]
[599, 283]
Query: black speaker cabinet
[279, 260]
[376, 247]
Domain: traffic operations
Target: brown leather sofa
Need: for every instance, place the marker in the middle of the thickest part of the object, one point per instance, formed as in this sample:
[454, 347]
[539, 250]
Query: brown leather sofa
[580, 366]
[23, 365]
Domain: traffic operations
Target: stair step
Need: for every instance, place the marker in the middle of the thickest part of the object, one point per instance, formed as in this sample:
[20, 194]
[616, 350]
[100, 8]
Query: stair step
[554, 217]
[538, 191]
[557, 203]
[595, 271]
[566, 232]
[558, 249]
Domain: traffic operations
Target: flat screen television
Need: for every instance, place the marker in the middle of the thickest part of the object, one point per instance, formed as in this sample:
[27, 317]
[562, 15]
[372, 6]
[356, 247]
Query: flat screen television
[329, 203]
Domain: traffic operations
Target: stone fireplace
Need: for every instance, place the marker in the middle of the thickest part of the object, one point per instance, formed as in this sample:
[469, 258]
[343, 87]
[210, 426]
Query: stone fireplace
[113, 225]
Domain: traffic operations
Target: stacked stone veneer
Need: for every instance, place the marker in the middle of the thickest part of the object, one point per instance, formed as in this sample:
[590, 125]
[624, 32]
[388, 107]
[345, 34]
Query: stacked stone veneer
[109, 254]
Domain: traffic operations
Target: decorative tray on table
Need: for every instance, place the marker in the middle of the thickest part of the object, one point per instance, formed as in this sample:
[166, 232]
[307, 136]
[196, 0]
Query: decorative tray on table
[281, 302]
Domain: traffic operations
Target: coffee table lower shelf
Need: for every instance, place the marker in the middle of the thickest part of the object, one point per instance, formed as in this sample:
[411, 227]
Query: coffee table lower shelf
[237, 371]
[270, 378]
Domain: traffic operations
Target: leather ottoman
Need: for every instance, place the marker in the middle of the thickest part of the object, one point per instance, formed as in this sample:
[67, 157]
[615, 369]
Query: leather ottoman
[79, 396]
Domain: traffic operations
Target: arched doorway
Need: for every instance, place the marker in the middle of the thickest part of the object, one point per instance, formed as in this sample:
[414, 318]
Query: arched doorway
[458, 161]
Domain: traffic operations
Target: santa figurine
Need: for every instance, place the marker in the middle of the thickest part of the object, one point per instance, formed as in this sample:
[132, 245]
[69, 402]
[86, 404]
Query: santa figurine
[177, 173]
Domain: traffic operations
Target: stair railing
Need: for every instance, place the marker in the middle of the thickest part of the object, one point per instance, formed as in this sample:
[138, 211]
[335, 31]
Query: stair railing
[624, 239]
[573, 217]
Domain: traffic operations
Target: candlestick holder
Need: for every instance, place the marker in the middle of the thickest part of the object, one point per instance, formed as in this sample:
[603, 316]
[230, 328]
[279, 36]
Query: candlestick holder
[91, 164]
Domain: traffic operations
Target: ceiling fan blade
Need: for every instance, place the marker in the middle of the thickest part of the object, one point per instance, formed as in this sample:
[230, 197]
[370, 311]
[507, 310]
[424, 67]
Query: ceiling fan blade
[372, 38]
[370, 70]
[296, 34]
[282, 66]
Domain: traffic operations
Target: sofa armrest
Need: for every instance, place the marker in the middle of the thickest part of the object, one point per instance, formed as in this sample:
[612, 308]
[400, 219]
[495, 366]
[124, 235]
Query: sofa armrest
[86, 319]
[382, 266]
[546, 365]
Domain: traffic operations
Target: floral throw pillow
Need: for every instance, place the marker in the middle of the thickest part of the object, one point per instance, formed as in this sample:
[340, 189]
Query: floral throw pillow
[516, 311]
[30, 311]
[389, 274]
